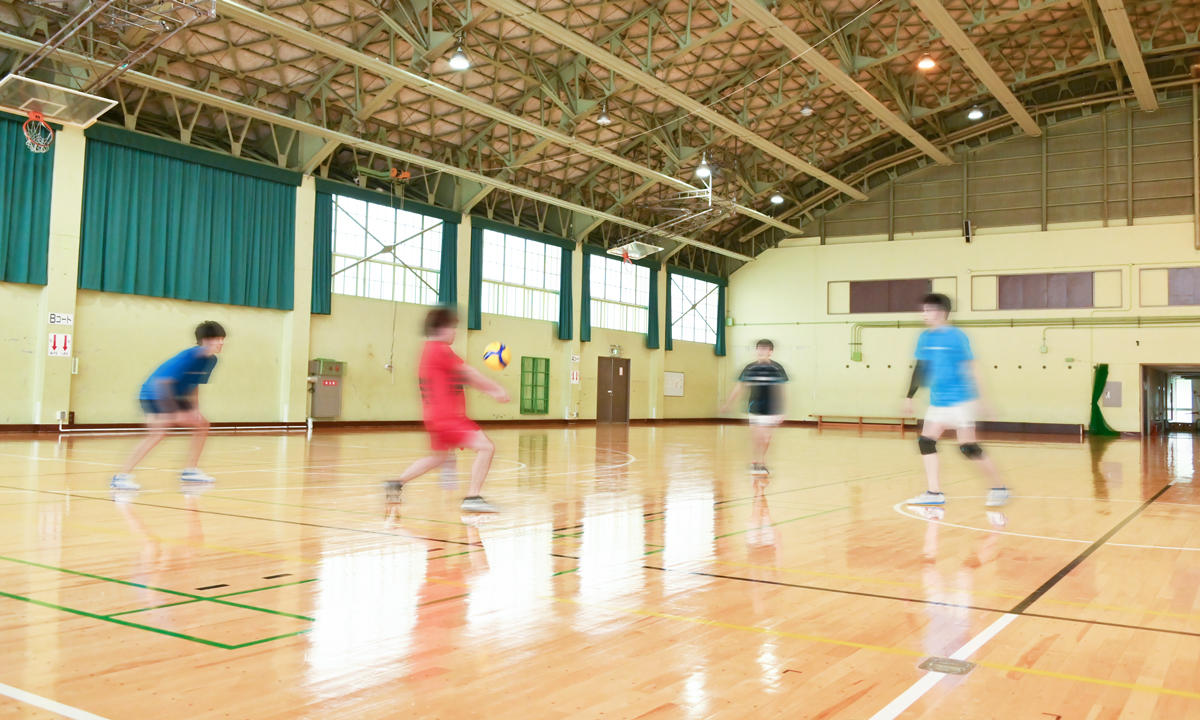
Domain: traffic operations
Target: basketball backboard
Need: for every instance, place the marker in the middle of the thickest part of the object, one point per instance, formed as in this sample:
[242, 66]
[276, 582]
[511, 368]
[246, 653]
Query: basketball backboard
[57, 104]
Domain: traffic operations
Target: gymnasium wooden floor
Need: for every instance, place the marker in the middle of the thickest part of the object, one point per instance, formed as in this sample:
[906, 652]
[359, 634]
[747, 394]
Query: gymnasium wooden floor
[633, 573]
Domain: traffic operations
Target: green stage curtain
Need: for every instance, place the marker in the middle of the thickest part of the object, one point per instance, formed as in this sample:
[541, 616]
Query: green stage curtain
[25, 189]
[564, 295]
[322, 266]
[1097, 426]
[475, 294]
[719, 346]
[669, 342]
[164, 226]
[448, 272]
[652, 312]
[585, 300]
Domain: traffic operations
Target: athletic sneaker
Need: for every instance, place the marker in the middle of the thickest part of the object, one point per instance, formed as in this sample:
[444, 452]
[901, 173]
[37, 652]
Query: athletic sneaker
[927, 498]
[392, 490]
[758, 469]
[997, 497]
[195, 475]
[477, 504]
[123, 481]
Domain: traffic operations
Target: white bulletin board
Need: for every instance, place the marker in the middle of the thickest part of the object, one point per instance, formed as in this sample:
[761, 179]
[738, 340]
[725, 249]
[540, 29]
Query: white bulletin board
[673, 384]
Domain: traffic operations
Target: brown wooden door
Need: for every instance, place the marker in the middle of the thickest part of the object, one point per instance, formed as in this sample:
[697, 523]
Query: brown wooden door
[612, 389]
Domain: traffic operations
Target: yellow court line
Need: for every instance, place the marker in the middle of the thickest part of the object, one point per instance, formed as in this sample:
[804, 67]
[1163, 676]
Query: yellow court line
[1090, 680]
[988, 593]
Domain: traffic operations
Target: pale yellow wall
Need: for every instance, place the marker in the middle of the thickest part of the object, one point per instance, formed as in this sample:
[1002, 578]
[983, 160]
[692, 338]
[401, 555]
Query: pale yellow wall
[700, 383]
[633, 346]
[533, 338]
[120, 339]
[19, 342]
[359, 332]
[783, 296]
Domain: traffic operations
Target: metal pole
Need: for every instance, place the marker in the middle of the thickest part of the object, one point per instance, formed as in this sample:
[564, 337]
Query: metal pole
[1045, 212]
[1104, 153]
[1128, 165]
[1195, 168]
[892, 210]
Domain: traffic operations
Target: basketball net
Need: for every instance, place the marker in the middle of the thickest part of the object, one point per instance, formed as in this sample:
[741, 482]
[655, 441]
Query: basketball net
[39, 136]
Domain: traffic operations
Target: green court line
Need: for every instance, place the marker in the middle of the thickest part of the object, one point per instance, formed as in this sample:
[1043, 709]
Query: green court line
[254, 590]
[267, 640]
[152, 607]
[783, 522]
[156, 589]
[328, 509]
[126, 623]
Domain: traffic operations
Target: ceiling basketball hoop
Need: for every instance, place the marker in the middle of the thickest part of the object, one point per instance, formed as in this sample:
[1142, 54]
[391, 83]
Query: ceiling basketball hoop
[39, 136]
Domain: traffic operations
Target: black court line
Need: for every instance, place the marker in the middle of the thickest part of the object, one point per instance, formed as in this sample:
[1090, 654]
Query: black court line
[213, 587]
[272, 577]
[1036, 595]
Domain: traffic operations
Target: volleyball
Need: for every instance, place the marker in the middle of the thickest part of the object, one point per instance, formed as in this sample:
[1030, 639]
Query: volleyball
[496, 356]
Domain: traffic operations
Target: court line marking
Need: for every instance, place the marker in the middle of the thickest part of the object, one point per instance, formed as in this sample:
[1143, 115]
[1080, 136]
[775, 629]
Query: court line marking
[906, 699]
[29, 698]
[897, 507]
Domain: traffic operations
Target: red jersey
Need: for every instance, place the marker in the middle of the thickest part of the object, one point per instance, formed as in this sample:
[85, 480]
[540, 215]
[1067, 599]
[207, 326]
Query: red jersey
[441, 381]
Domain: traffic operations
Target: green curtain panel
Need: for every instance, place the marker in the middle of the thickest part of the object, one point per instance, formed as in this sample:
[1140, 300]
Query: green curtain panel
[25, 188]
[448, 272]
[166, 227]
[668, 342]
[719, 346]
[475, 294]
[322, 263]
[1098, 427]
[565, 292]
[652, 314]
[585, 300]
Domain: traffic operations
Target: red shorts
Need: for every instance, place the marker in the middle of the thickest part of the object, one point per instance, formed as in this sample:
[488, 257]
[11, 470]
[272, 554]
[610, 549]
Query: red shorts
[450, 434]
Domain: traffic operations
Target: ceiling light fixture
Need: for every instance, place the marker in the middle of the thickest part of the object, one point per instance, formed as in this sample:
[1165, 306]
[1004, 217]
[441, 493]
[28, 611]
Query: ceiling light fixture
[703, 170]
[604, 118]
[806, 110]
[926, 63]
[459, 60]
[975, 114]
[776, 199]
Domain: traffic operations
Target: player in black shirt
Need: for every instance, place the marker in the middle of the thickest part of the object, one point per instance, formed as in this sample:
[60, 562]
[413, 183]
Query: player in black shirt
[764, 378]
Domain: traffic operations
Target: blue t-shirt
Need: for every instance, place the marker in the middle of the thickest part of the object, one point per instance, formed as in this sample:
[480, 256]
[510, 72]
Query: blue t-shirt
[185, 371]
[944, 354]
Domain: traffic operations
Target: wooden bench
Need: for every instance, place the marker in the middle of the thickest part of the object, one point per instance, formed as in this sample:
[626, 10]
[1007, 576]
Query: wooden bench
[860, 421]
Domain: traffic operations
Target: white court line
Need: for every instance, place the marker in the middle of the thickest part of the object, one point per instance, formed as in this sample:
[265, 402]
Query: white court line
[38, 701]
[898, 508]
[905, 700]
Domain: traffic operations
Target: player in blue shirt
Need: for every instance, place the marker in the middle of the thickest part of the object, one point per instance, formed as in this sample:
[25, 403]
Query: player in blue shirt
[170, 397]
[945, 363]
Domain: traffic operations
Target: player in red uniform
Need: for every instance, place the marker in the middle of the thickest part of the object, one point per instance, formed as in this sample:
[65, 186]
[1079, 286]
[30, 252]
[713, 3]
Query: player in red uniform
[442, 376]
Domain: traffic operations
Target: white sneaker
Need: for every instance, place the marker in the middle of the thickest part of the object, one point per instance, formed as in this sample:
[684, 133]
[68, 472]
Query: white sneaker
[123, 481]
[927, 498]
[997, 497]
[477, 504]
[195, 475]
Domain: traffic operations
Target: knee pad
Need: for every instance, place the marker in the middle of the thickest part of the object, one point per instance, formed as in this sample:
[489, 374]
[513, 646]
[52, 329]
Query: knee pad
[928, 447]
[971, 451]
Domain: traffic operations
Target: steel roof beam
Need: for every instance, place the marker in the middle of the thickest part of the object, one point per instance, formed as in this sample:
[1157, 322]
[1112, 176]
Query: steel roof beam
[217, 101]
[542, 25]
[1131, 54]
[812, 57]
[936, 13]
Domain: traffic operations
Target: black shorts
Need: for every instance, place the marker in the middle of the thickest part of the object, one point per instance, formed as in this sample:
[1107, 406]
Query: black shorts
[155, 407]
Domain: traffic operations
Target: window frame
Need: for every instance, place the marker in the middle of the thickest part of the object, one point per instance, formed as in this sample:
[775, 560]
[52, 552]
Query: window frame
[497, 294]
[693, 309]
[413, 283]
[639, 313]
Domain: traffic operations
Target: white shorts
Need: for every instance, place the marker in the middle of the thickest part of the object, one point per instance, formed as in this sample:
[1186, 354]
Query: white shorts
[959, 417]
[766, 420]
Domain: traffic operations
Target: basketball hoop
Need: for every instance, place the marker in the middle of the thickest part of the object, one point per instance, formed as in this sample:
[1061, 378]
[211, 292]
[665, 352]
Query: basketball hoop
[39, 136]
[625, 256]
